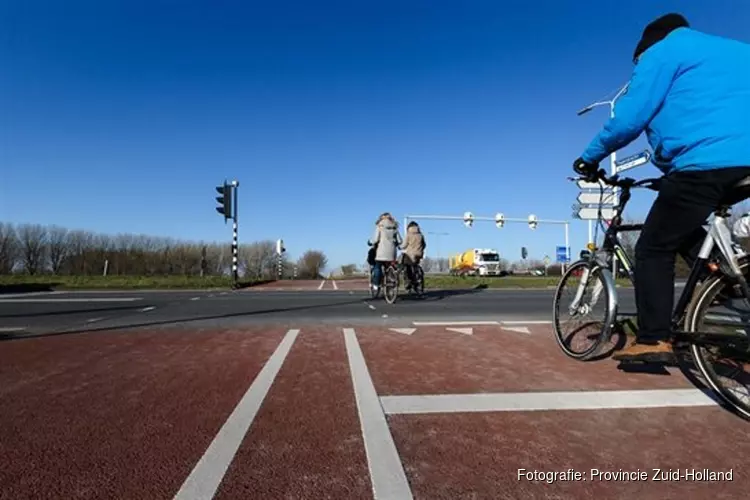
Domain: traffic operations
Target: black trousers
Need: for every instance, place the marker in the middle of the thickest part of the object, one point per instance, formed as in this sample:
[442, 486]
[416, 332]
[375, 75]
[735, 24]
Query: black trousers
[674, 225]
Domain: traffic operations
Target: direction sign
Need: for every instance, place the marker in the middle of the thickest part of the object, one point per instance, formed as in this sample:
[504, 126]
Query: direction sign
[561, 255]
[587, 213]
[546, 260]
[632, 161]
[591, 185]
[593, 198]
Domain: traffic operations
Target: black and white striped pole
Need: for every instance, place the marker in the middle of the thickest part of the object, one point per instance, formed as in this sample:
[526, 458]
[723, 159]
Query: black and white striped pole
[228, 209]
[279, 253]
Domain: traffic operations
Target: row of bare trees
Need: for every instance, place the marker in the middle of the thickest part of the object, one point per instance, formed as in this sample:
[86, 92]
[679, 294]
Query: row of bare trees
[36, 249]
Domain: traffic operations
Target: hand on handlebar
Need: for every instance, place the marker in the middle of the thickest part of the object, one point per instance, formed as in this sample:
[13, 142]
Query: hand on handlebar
[588, 171]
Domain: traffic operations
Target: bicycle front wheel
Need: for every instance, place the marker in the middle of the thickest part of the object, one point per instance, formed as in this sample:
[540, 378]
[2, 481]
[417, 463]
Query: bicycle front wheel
[724, 364]
[390, 289]
[582, 298]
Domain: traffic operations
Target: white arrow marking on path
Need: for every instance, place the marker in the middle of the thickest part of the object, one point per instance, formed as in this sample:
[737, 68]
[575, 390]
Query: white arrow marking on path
[405, 331]
[519, 329]
[465, 331]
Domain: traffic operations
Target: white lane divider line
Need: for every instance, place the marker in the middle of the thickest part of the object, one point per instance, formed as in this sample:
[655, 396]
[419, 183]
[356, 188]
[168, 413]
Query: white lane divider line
[195, 298]
[526, 322]
[11, 329]
[146, 309]
[335, 286]
[386, 470]
[544, 401]
[93, 320]
[208, 473]
[453, 323]
[371, 306]
[322, 284]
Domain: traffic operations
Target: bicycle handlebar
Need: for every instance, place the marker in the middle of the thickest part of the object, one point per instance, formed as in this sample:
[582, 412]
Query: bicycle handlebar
[616, 181]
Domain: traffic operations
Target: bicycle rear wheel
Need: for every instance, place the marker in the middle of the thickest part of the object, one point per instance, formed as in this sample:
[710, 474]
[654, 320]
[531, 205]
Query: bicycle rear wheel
[588, 292]
[390, 288]
[725, 367]
[419, 279]
[373, 292]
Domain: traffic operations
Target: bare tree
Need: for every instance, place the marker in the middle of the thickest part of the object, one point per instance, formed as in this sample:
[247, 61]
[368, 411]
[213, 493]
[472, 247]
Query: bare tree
[33, 239]
[57, 247]
[312, 263]
[259, 259]
[8, 248]
[348, 269]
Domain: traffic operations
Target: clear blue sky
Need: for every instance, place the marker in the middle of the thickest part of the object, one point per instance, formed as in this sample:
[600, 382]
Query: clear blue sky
[122, 116]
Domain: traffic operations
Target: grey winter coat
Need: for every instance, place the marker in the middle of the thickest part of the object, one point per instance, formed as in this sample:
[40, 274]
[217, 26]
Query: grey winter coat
[387, 239]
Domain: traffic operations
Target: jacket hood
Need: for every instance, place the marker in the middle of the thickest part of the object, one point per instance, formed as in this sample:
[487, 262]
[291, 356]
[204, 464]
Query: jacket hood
[658, 30]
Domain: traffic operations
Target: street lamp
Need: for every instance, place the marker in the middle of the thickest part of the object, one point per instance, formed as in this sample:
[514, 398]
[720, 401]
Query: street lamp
[613, 156]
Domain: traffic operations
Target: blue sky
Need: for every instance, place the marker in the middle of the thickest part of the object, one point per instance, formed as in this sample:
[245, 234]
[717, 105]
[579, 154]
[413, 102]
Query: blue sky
[122, 116]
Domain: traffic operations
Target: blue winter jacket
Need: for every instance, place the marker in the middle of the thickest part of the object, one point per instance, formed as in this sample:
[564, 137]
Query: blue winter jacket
[690, 93]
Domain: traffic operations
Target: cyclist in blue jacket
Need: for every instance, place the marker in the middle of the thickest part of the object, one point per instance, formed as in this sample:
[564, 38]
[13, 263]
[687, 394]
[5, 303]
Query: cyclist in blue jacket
[690, 93]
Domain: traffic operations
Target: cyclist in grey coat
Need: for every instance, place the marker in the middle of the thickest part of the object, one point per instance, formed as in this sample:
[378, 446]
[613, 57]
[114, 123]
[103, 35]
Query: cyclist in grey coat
[386, 239]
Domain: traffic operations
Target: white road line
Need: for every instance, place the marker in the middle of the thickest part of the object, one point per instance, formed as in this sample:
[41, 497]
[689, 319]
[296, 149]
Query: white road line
[322, 283]
[208, 473]
[64, 300]
[335, 286]
[195, 298]
[465, 331]
[526, 322]
[93, 320]
[371, 306]
[11, 329]
[386, 471]
[453, 323]
[149, 308]
[536, 401]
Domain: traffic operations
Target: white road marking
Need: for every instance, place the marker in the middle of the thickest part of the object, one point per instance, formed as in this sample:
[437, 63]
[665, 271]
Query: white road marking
[405, 331]
[11, 329]
[371, 306]
[64, 300]
[453, 323]
[93, 320]
[386, 471]
[195, 298]
[207, 474]
[322, 284]
[335, 286]
[541, 401]
[385, 316]
[465, 331]
[526, 322]
[149, 308]
[519, 329]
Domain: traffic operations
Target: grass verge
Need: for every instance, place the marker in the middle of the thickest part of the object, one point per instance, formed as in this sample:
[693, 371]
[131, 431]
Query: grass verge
[26, 283]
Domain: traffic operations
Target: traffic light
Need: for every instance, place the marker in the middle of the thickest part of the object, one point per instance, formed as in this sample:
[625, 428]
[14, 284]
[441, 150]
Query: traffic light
[533, 222]
[499, 220]
[524, 253]
[225, 200]
[468, 219]
[280, 249]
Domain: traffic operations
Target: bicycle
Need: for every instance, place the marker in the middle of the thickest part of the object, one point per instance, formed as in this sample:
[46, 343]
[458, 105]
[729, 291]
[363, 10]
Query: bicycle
[389, 282]
[714, 275]
[417, 281]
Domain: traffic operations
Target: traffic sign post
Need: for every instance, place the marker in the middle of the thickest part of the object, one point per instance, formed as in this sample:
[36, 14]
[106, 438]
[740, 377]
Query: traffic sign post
[562, 255]
[228, 208]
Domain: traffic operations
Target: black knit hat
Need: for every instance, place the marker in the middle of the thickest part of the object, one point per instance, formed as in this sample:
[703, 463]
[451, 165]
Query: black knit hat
[658, 30]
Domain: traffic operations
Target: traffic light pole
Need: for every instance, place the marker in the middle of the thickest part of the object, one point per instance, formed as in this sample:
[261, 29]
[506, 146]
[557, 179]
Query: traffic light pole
[235, 246]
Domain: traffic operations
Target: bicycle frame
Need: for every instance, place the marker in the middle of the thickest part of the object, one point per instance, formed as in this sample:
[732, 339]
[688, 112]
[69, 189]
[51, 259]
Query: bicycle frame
[718, 234]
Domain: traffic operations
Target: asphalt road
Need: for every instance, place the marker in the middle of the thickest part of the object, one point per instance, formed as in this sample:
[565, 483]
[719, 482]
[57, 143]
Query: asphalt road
[65, 312]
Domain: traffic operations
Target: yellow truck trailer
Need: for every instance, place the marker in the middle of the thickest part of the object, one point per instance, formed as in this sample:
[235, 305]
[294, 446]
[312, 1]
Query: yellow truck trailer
[476, 261]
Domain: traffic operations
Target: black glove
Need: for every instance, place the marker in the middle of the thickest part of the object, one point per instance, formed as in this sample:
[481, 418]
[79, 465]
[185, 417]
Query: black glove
[585, 169]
